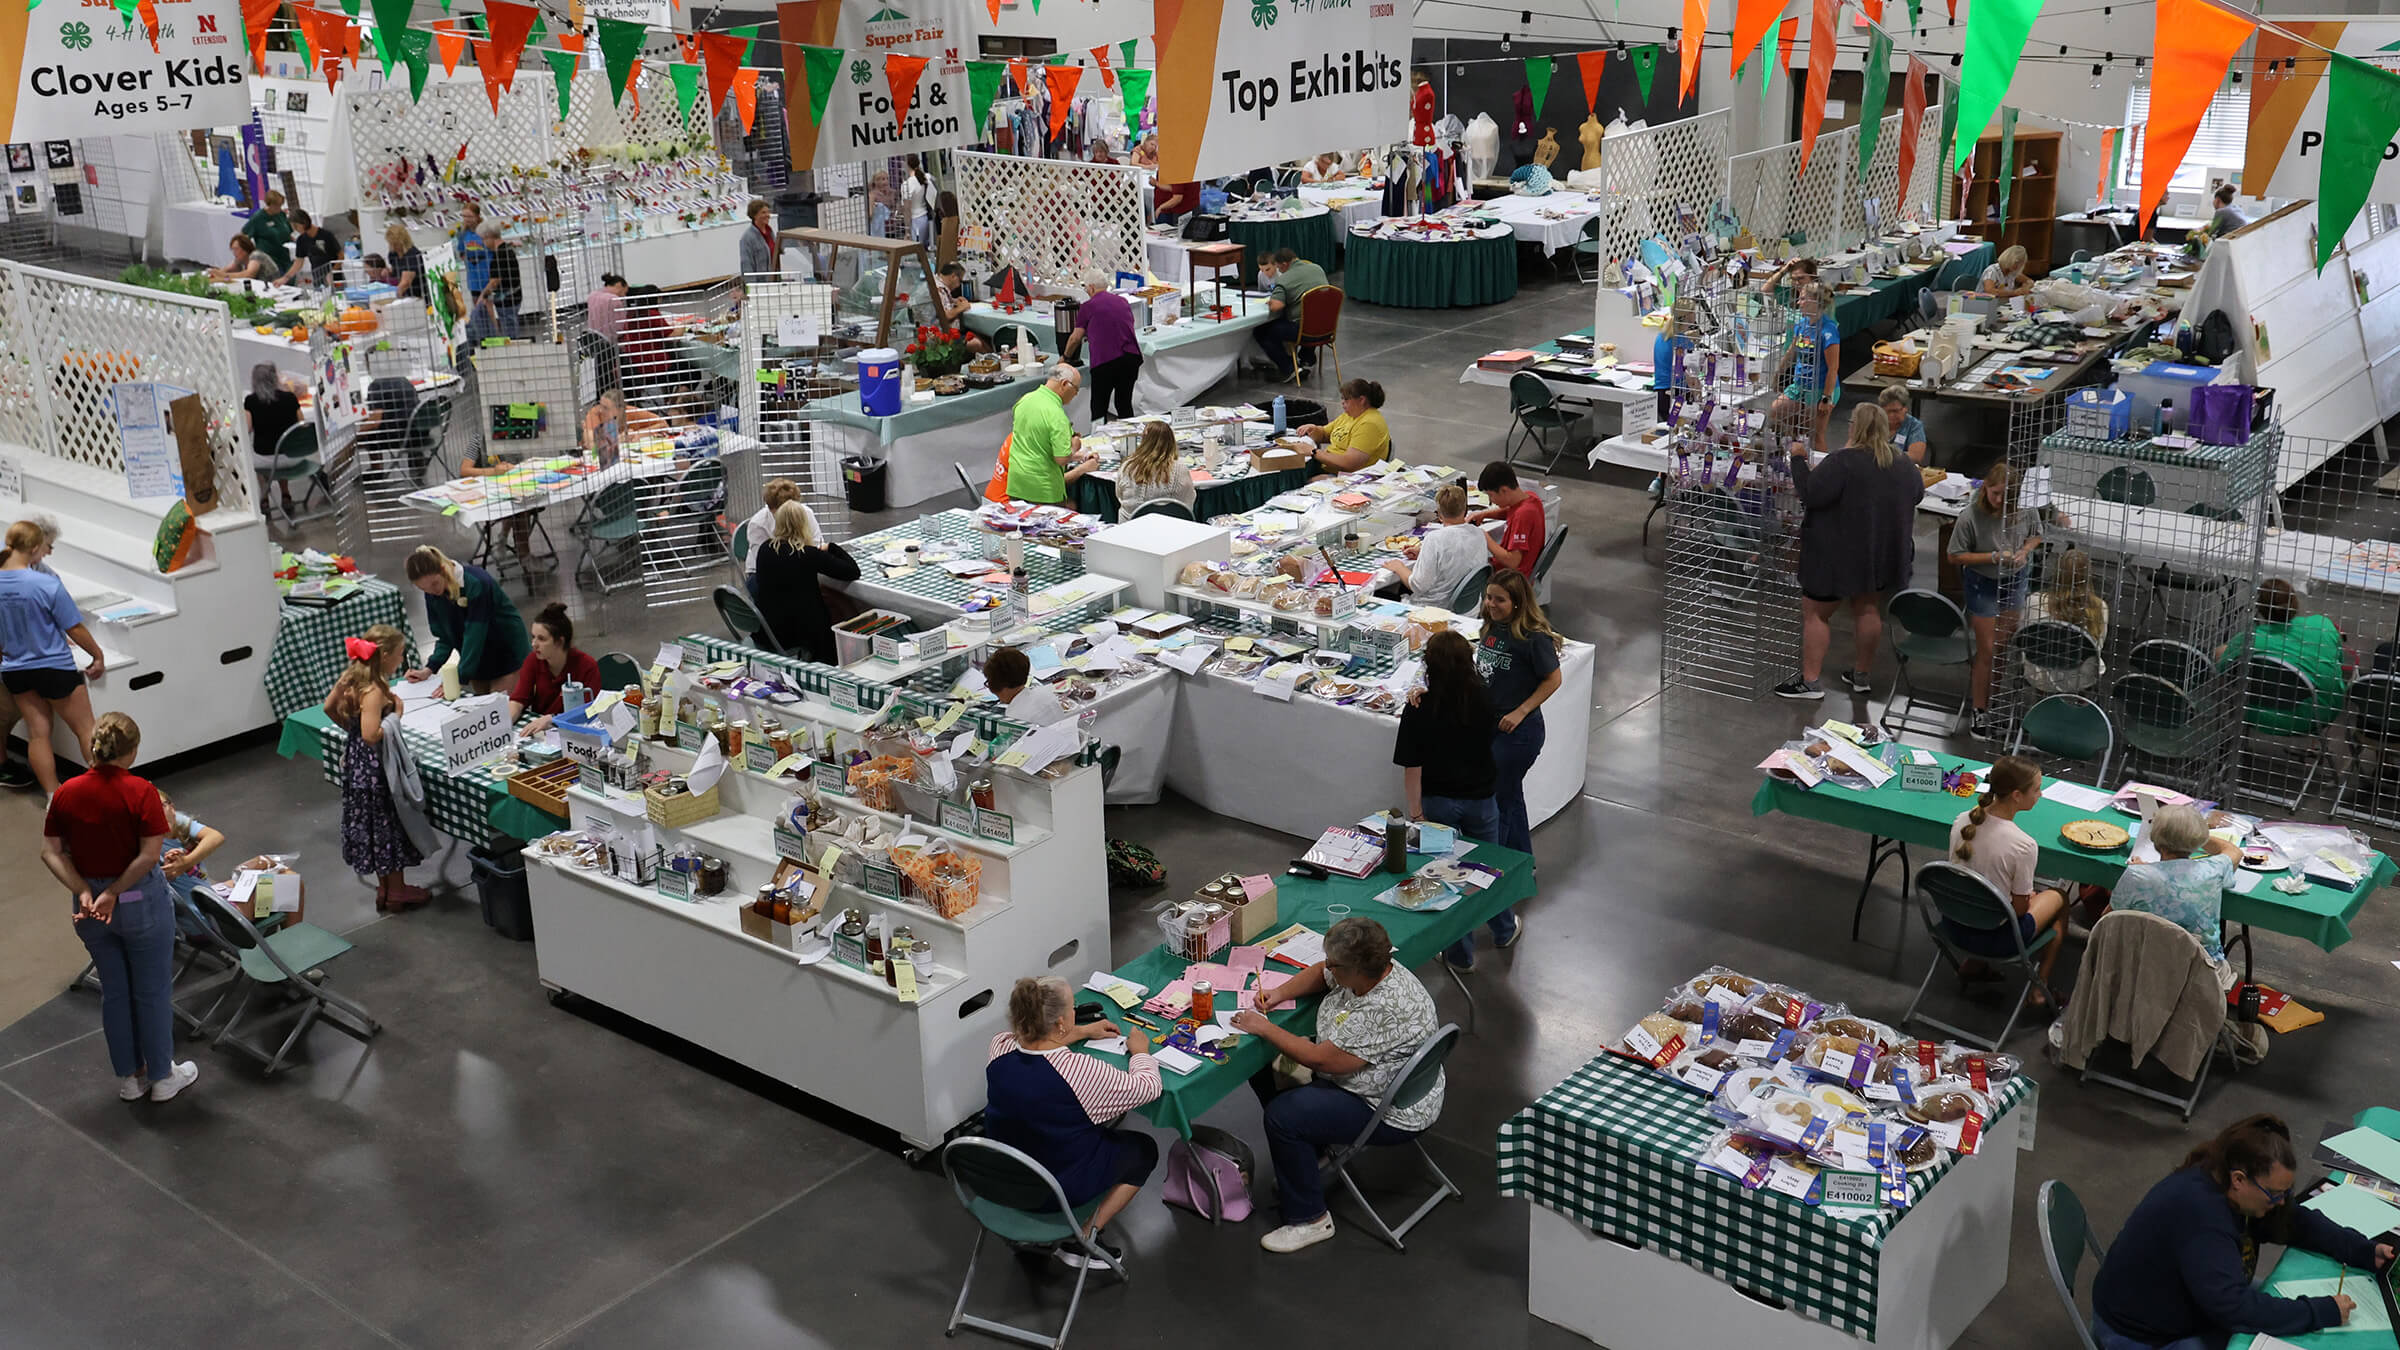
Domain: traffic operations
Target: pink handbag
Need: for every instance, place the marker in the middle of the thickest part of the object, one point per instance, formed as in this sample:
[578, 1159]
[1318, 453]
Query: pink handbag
[1206, 1168]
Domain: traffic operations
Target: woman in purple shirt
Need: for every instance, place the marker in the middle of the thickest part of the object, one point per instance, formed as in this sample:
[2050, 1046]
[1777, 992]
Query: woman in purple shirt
[1106, 322]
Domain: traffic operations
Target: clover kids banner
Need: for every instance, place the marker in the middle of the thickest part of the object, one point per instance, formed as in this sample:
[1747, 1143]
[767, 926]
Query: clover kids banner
[2291, 115]
[70, 70]
[857, 121]
[1244, 83]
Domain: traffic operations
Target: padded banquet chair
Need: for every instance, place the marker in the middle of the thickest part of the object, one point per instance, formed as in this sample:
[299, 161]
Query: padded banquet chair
[1017, 1200]
[1417, 1078]
[1947, 891]
[1320, 325]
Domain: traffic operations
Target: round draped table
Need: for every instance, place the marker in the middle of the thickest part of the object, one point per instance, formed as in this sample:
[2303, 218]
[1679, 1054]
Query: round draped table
[1096, 496]
[1419, 274]
[1310, 232]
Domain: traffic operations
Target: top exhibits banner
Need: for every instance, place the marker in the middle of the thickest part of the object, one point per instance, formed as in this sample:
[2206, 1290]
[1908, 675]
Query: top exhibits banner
[2288, 112]
[1246, 83]
[857, 122]
[71, 69]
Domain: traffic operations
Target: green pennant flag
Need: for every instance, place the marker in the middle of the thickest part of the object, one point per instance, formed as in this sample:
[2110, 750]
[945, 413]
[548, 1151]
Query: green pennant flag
[750, 31]
[1056, 59]
[308, 58]
[1134, 84]
[391, 16]
[824, 65]
[562, 65]
[1874, 91]
[687, 88]
[2362, 112]
[1996, 33]
[620, 45]
[1129, 46]
[1537, 79]
[1645, 64]
[1949, 130]
[384, 50]
[1916, 13]
[416, 52]
[2116, 157]
[480, 25]
[349, 7]
[1766, 71]
[2008, 160]
[539, 31]
[983, 85]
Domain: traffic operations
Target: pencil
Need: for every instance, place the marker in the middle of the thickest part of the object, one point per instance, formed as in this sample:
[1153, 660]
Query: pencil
[2337, 1284]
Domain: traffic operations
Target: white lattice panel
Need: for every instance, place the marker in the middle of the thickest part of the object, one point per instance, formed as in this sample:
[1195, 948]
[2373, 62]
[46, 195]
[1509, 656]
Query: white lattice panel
[74, 336]
[1925, 176]
[1650, 175]
[1880, 183]
[1774, 200]
[1056, 218]
[392, 136]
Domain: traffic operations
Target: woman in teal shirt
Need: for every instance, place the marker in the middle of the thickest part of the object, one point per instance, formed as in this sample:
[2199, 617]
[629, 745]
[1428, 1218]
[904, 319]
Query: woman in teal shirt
[2308, 641]
[469, 613]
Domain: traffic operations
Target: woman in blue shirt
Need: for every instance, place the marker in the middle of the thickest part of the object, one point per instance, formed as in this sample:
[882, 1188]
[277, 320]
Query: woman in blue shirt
[1812, 350]
[1908, 430]
[37, 621]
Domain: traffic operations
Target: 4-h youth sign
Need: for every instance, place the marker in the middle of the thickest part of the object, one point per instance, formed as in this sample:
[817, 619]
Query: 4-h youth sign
[1244, 83]
[69, 70]
[858, 123]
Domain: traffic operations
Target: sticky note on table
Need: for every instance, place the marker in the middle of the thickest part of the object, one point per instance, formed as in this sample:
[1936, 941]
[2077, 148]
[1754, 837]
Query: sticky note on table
[2357, 1209]
[2370, 1149]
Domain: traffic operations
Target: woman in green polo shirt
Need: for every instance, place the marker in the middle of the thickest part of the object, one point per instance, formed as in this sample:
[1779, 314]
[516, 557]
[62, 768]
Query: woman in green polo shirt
[2308, 641]
[270, 230]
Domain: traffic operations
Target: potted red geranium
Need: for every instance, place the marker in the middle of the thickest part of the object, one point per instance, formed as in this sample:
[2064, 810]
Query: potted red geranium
[938, 351]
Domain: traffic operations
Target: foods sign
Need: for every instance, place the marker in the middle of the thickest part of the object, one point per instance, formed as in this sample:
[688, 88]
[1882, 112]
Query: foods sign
[73, 70]
[858, 122]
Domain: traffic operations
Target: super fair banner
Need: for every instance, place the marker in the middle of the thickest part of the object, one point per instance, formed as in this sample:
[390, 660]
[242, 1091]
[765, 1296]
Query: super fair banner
[2292, 117]
[87, 70]
[1247, 83]
[839, 100]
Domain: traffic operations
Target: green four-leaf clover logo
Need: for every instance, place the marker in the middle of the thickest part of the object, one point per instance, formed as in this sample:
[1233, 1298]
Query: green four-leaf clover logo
[1262, 13]
[861, 72]
[76, 35]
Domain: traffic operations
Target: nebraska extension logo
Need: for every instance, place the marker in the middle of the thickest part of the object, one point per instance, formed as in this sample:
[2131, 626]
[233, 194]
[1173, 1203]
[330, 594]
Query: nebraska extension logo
[889, 27]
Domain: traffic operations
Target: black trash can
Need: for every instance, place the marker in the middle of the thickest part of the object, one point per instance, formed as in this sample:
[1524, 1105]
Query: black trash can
[1301, 412]
[500, 885]
[862, 482]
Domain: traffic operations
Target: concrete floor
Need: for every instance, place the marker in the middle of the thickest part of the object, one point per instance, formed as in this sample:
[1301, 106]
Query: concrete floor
[495, 1171]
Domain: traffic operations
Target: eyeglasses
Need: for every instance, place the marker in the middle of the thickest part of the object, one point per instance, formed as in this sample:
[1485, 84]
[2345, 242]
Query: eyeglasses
[2274, 1198]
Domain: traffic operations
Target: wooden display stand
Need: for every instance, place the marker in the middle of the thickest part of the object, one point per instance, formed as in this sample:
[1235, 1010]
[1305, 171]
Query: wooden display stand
[893, 251]
[2032, 202]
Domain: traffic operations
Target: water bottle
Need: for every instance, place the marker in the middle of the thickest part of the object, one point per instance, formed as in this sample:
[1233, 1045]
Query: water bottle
[573, 696]
[1279, 414]
[1395, 840]
[2164, 415]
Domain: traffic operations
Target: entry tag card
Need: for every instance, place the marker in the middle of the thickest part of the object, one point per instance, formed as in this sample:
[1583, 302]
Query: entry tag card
[1753, 1049]
[1732, 1162]
[1844, 1189]
[1804, 1139]
[1790, 1179]
[1702, 1077]
[1836, 1065]
[1958, 1136]
[1649, 1049]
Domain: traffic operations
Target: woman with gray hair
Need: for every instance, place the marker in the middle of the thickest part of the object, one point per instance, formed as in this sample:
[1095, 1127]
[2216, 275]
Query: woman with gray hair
[1105, 320]
[1053, 1104]
[2186, 886]
[1374, 1017]
[271, 410]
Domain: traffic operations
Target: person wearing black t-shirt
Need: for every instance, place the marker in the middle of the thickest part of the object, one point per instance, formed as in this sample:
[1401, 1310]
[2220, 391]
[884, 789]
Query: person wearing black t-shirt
[1445, 747]
[271, 410]
[314, 251]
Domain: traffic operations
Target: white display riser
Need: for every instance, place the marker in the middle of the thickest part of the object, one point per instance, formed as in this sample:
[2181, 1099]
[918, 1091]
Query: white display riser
[1941, 1266]
[830, 1031]
[679, 258]
[168, 671]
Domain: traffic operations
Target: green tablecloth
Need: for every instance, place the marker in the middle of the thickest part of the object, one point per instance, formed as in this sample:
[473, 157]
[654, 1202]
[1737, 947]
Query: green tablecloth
[1098, 496]
[1612, 1148]
[1416, 940]
[2320, 915]
[1314, 237]
[985, 320]
[308, 642]
[470, 807]
[2240, 471]
[915, 419]
[1414, 275]
[1897, 296]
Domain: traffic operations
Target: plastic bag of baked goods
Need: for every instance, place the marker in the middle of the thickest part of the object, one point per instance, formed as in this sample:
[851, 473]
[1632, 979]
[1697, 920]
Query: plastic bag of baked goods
[1757, 1164]
[1657, 1039]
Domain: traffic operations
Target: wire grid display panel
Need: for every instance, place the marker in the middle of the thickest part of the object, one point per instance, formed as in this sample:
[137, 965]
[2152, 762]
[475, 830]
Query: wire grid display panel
[1732, 603]
[686, 520]
[1774, 200]
[1648, 177]
[65, 339]
[375, 469]
[1055, 218]
[779, 387]
[1881, 182]
[2171, 542]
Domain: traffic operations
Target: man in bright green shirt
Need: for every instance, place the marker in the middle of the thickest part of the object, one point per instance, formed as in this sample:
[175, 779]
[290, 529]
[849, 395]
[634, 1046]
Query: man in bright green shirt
[1042, 458]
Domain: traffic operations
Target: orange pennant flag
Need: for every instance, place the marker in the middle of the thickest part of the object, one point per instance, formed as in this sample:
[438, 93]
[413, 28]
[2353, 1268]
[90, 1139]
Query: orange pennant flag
[1873, 10]
[691, 47]
[2194, 43]
[572, 42]
[1752, 21]
[633, 83]
[1695, 28]
[994, 7]
[489, 67]
[511, 24]
[1912, 120]
[1108, 78]
[721, 53]
[745, 98]
[1785, 42]
[1590, 63]
[1062, 81]
[1820, 78]
[901, 72]
[256, 15]
[353, 36]
[449, 43]
[2108, 156]
[1016, 75]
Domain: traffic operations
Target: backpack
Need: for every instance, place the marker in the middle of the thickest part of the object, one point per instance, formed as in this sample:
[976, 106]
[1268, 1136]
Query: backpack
[1209, 1166]
[2216, 340]
[1131, 865]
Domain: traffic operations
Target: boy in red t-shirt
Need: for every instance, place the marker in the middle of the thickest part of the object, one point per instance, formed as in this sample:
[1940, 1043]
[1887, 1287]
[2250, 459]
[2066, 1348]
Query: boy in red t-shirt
[1518, 546]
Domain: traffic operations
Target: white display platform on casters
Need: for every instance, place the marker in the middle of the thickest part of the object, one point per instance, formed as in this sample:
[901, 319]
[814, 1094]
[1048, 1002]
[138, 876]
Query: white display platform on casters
[831, 1031]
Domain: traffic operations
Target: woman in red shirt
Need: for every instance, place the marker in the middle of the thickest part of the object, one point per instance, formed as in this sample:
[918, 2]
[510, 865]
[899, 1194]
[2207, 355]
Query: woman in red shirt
[101, 840]
[544, 676]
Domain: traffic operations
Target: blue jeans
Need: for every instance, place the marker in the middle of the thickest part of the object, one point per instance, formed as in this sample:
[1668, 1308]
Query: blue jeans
[2110, 1340]
[134, 955]
[1302, 1123]
[1515, 752]
[1474, 818]
[1274, 338]
[1990, 597]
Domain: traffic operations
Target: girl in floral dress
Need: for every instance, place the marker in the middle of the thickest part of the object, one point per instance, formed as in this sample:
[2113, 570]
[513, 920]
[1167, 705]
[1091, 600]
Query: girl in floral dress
[363, 705]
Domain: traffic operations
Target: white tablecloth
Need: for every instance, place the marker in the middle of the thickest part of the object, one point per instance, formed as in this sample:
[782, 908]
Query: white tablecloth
[1368, 206]
[1527, 220]
[199, 232]
[249, 348]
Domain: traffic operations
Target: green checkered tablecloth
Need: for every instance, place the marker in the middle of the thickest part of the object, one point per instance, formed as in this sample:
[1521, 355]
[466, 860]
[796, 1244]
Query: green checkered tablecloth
[956, 527]
[1612, 1148]
[2244, 468]
[470, 806]
[308, 642]
[1897, 296]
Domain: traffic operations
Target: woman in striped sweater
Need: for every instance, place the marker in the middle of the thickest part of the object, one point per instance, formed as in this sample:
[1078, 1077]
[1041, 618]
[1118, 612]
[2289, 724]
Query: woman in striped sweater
[1052, 1103]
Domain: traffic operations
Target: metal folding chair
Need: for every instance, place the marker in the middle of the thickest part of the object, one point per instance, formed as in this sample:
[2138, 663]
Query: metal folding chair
[1017, 1200]
[1535, 411]
[743, 619]
[297, 459]
[1161, 506]
[2276, 687]
[2072, 726]
[1947, 892]
[2065, 1235]
[1926, 630]
[2224, 1043]
[274, 962]
[1417, 1077]
[2058, 657]
[1469, 597]
[618, 670]
[612, 519]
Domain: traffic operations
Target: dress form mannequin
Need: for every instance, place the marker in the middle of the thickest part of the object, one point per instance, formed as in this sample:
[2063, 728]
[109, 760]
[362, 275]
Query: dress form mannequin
[1420, 111]
[1546, 153]
[1590, 133]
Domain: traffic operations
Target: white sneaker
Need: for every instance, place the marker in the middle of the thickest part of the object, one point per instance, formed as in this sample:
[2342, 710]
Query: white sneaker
[132, 1088]
[1294, 1236]
[186, 1073]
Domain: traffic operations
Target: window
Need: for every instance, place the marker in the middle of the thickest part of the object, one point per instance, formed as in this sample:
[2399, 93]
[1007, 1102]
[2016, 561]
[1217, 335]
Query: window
[2221, 142]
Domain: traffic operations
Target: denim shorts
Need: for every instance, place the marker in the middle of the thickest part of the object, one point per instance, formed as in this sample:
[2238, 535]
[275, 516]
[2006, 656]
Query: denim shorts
[1988, 597]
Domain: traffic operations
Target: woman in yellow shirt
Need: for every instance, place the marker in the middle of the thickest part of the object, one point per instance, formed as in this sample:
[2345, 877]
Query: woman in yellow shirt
[1357, 438]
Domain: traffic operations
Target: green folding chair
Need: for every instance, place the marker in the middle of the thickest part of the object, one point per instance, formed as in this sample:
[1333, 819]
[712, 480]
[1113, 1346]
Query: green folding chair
[743, 620]
[1417, 1078]
[2070, 726]
[612, 521]
[1018, 1201]
[1926, 630]
[1469, 597]
[618, 670]
[1534, 411]
[1951, 898]
[2066, 1234]
[274, 962]
[296, 460]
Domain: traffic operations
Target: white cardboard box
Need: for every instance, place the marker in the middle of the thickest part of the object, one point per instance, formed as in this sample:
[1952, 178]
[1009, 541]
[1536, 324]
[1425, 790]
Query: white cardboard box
[1150, 552]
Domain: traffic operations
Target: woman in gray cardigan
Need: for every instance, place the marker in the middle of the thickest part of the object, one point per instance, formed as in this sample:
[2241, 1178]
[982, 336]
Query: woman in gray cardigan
[1856, 546]
[759, 253]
